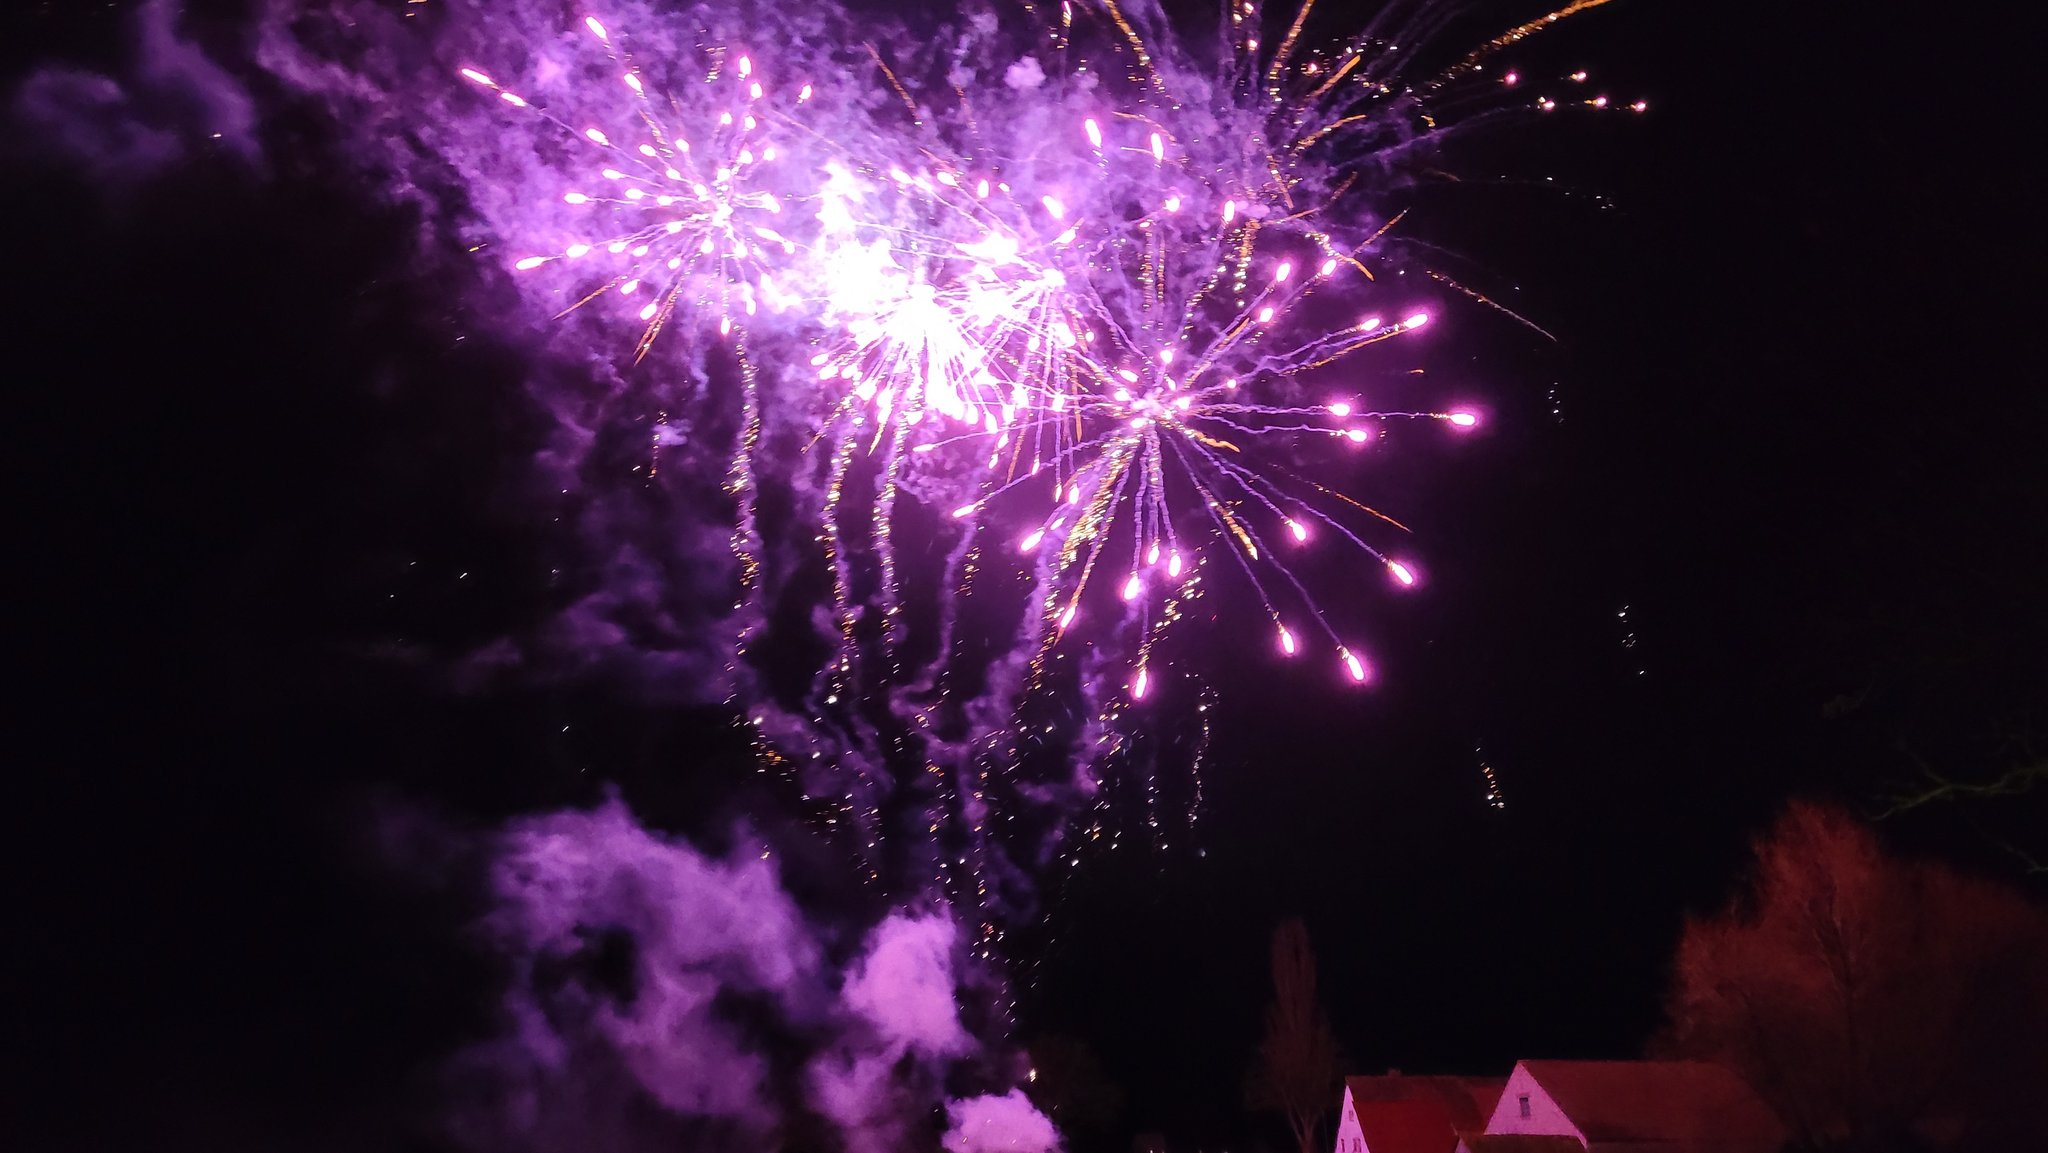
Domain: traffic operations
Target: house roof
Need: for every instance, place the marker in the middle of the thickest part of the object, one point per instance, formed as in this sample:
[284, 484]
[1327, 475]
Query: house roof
[1518, 1143]
[1622, 1102]
[1467, 1102]
[1398, 1114]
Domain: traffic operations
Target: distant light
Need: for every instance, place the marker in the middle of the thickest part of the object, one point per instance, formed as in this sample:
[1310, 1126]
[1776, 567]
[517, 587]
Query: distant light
[1053, 207]
[1464, 419]
[1133, 587]
[1173, 565]
[1094, 134]
[1340, 409]
[1354, 666]
[1138, 686]
[1299, 530]
[596, 29]
[531, 262]
[965, 510]
[1401, 572]
[1416, 321]
[479, 77]
[1286, 641]
[1029, 542]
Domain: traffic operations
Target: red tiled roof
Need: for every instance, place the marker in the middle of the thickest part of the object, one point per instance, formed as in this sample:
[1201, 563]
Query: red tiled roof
[1405, 1127]
[1400, 1114]
[1468, 1101]
[1635, 1101]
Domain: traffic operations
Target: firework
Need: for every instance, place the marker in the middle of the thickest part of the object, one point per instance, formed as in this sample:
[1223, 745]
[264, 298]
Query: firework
[1083, 315]
[677, 216]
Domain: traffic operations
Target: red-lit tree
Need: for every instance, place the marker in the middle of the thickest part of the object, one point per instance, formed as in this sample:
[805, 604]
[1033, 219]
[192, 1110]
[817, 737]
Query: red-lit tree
[1877, 1003]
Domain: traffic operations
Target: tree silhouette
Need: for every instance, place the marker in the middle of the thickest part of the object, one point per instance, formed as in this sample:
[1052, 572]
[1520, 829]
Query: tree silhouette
[1296, 1073]
[1876, 1003]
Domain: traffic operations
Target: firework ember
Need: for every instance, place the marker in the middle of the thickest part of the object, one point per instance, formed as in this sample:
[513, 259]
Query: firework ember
[681, 215]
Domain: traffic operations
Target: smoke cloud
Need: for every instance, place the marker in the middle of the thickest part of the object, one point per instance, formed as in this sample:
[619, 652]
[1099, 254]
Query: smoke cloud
[658, 996]
[168, 104]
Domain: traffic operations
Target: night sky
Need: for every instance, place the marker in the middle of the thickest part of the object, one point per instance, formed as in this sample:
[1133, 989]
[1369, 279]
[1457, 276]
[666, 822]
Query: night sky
[272, 476]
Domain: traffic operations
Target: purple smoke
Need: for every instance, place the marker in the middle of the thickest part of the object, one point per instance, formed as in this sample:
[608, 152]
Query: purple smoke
[1005, 1124]
[657, 995]
[171, 104]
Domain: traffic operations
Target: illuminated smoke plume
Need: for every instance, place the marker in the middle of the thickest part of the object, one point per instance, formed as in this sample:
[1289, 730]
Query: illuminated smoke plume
[660, 997]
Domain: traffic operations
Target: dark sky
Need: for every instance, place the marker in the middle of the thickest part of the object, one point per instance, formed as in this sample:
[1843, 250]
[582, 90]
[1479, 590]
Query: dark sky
[1790, 428]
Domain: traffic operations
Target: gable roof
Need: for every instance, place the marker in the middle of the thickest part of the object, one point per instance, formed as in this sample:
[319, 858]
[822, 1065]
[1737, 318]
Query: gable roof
[1466, 1102]
[1398, 1114]
[1640, 1101]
